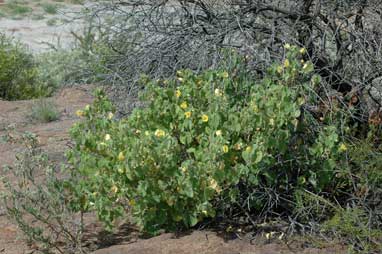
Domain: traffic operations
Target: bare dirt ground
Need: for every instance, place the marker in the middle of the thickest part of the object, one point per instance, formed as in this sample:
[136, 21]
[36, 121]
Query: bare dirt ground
[206, 242]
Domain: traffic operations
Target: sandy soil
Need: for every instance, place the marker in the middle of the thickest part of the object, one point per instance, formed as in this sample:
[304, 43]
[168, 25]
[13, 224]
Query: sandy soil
[207, 242]
[41, 36]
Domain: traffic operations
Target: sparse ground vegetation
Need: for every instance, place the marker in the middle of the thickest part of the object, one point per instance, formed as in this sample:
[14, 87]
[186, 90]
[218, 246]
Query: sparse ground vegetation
[44, 110]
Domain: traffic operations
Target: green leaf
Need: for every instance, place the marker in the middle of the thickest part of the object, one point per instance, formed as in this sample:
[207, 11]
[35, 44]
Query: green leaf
[259, 156]
[193, 220]
[188, 190]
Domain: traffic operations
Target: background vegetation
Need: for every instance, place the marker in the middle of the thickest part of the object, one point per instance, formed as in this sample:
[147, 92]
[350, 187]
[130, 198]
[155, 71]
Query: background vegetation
[19, 74]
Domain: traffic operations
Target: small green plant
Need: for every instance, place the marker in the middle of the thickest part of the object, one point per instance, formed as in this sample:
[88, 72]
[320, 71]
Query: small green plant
[44, 110]
[198, 139]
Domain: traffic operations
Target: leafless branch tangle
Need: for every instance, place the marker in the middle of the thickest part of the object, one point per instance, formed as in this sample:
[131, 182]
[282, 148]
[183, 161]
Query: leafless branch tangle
[343, 38]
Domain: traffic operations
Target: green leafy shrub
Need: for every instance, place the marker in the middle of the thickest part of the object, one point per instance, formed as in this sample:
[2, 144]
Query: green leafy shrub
[197, 139]
[19, 78]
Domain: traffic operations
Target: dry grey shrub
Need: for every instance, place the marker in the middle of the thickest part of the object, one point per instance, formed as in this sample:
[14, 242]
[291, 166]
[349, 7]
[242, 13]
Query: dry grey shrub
[342, 38]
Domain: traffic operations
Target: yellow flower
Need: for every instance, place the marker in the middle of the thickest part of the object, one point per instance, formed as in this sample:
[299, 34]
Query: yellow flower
[218, 92]
[159, 133]
[107, 137]
[342, 147]
[248, 149]
[286, 63]
[114, 189]
[178, 93]
[204, 118]
[302, 50]
[225, 149]
[121, 157]
[287, 46]
[218, 133]
[184, 169]
[280, 69]
[110, 115]
[147, 133]
[269, 235]
[181, 79]
[132, 202]
[204, 212]
[80, 113]
[214, 185]
[184, 105]
[187, 114]
[120, 170]
[225, 74]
